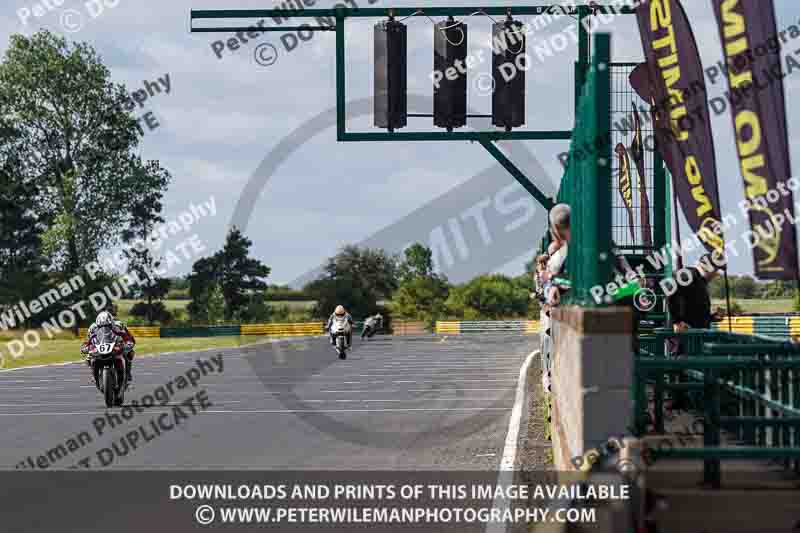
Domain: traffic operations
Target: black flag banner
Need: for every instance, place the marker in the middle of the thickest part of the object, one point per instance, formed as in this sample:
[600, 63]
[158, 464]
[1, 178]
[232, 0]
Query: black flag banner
[624, 168]
[637, 151]
[674, 80]
[759, 121]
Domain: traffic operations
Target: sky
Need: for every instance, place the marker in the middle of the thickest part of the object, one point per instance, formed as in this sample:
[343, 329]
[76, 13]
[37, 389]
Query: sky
[225, 115]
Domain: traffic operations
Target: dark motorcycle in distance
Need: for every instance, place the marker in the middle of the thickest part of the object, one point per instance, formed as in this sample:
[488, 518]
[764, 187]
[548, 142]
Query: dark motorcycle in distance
[107, 352]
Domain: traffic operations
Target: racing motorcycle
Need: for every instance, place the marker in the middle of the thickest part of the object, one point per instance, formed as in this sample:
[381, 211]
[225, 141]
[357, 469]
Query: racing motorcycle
[108, 362]
[340, 328]
[370, 327]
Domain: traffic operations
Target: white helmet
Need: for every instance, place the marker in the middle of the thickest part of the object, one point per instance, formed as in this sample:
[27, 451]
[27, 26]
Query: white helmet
[339, 310]
[104, 319]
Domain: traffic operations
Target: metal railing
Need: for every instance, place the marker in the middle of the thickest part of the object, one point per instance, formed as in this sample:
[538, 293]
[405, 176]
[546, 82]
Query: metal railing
[759, 375]
[585, 184]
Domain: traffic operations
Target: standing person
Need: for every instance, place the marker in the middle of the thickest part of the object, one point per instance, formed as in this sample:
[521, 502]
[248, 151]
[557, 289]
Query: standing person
[689, 308]
[556, 266]
[690, 304]
[541, 266]
[559, 249]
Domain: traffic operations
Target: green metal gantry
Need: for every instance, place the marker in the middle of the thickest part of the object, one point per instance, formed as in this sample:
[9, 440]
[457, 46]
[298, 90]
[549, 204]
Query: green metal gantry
[485, 138]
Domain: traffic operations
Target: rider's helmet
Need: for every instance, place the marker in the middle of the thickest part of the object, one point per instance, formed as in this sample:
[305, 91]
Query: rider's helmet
[339, 310]
[378, 316]
[104, 319]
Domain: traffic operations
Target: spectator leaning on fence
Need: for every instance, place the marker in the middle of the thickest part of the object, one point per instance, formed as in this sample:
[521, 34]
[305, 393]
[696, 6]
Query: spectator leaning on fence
[560, 232]
[538, 283]
[556, 266]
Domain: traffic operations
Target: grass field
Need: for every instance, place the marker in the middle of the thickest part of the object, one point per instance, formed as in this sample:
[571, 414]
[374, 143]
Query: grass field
[782, 305]
[124, 306]
[67, 349]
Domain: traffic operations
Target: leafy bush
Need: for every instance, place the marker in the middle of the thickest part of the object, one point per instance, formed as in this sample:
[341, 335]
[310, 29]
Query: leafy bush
[488, 297]
[286, 294]
[421, 298]
[155, 311]
[178, 294]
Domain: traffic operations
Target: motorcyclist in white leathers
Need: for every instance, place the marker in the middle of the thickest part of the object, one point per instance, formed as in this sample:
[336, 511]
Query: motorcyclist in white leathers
[338, 313]
[371, 325]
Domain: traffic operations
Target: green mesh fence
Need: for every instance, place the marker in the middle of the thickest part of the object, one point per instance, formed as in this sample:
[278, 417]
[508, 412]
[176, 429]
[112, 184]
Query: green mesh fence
[585, 185]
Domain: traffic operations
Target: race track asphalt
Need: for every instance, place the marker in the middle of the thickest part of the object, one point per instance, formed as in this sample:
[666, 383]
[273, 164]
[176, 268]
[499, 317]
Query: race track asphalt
[402, 403]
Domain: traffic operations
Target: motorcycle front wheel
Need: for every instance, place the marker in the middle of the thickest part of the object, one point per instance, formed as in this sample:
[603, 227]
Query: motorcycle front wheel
[340, 347]
[121, 395]
[108, 386]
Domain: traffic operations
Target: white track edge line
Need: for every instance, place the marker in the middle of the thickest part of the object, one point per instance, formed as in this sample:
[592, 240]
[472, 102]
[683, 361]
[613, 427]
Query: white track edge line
[506, 474]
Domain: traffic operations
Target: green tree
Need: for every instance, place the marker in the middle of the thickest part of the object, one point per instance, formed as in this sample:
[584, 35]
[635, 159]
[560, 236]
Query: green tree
[202, 281]
[216, 305]
[421, 298]
[142, 262]
[355, 278]
[418, 262]
[716, 288]
[422, 292]
[491, 296]
[78, 142]
[240, 275]
[744, 287]
[21, 261]
[234, 272]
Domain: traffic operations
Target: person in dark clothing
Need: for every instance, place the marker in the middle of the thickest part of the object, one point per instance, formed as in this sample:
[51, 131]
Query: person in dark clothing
[689, 308]
[690, 304]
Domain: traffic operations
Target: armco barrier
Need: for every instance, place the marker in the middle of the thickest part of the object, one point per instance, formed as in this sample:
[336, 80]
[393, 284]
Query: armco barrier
[450, 328]
[145, 331]
[287, 330]
[738, 324]
[781, 327]
[526, 327]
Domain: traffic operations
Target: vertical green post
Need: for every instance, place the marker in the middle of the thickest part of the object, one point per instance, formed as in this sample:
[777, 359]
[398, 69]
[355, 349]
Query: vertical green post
[340, 79]
[595, 219]
[582, 64]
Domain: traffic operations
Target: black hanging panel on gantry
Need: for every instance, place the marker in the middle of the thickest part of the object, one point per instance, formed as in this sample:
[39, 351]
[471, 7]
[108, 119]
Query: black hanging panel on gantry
[449, 59]
[391, 101]
[508, 62]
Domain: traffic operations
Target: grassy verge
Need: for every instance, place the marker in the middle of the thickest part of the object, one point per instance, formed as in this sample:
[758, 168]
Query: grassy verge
[65, 350]
[545, 413]
[757, 305]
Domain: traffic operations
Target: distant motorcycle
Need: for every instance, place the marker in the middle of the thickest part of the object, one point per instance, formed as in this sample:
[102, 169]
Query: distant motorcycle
[340, 329]
[108, 362]
[371, 326]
